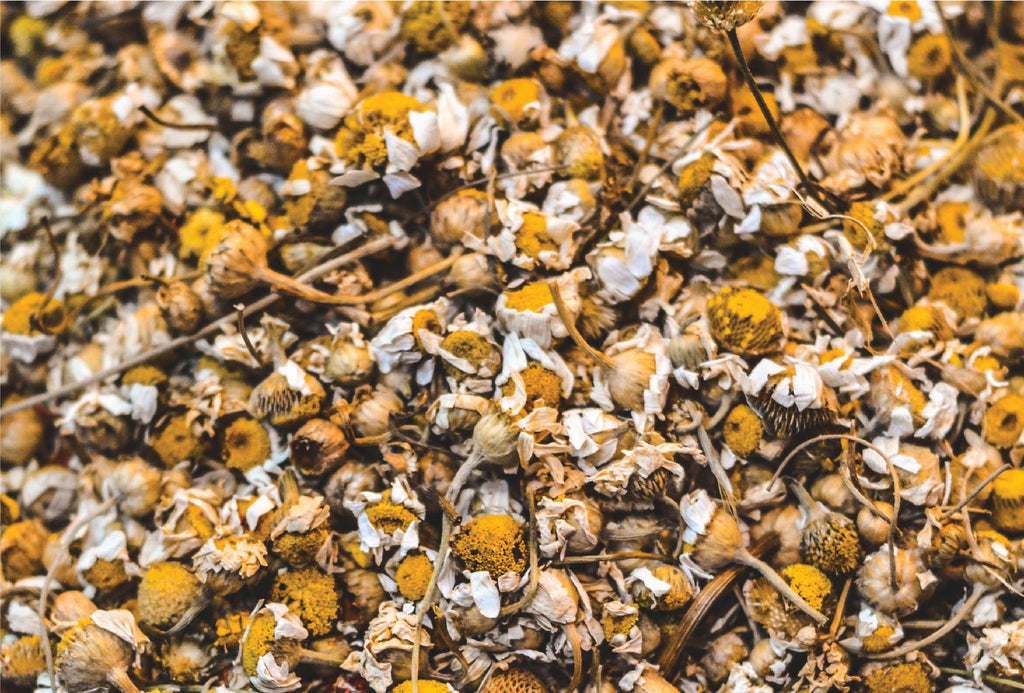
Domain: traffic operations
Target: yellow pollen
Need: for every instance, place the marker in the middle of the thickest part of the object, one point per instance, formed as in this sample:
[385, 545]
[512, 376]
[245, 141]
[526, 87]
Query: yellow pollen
[246, 444]
[18, 318]
[1004, 421]
[512, 98]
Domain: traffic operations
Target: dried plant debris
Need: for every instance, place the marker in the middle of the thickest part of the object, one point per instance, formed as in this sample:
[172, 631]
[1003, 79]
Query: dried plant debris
[434, 346]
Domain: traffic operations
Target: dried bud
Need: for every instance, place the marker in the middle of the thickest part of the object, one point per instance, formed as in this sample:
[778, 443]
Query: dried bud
[182, 307]
[232, 265]
[725, 15]
[318, 447]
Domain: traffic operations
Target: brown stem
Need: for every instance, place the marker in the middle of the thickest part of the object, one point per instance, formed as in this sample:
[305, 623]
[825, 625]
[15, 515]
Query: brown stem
[240, 312]
[177, 126]
[780, 584]
[574, 334]
[573, 636]
[307, 656]
[285, 284]
[620, 556]
[977, 592]
[812, 188]
[978, 489]
[454, 488]
[370, 248]
[119, 679]
[669, 659]
[652, 132]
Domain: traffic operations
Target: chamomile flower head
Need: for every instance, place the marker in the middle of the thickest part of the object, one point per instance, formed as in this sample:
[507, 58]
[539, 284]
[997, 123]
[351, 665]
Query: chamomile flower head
[493, 543]
[363, 139]
[310, 594]
[744, 321]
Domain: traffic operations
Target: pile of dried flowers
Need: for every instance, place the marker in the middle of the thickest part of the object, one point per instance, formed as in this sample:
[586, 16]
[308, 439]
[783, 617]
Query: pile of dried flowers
[516, 347]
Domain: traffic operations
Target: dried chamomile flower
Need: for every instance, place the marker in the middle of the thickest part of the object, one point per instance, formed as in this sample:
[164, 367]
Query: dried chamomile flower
[769, 609]
[226, 564]
[514, 679]
[185, 659]
[1004, 421]
[911, 677]
[167, 593]
[530, 310]
[1008, 501]
[311, 595]
[383, 126]
[493, 543]
[21, 435]
[271, 648]
[518, 101]
[432, 27]
[287, 397]
[246, 444]
[23, 660]
[998, 166]
[413, 575]
[744, 321]
[873, 580]
[97, 653]
[689, 85]
[791, 399]
[21, 546]
[742, 430]
[725, 16]
[318, 447]
[829, 540]
[663, 588]
[177, 441]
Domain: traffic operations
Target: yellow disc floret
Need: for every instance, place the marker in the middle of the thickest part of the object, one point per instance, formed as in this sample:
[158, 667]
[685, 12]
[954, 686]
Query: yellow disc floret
[1008, 501]
[246, 444]
[389, 517]
[18, 319]
[906, 677]
[516, 99]
[470, 346]
[1003, 296]
[493, 543]
[961, 289]
[144, 375]
[613, 624]
[22, 660]
[428, 29]
[424, 685]
[258, 641]
[413, 576]
[809, 582]
[533, 238]
[202, 230]
[743, 430]
[310, 594]
[879, 640]
[361, 138]
[541, 385]
[166, 592]
[424, 320]
[744, 321]
[1004, 421]
[532, 297]
[176, 442]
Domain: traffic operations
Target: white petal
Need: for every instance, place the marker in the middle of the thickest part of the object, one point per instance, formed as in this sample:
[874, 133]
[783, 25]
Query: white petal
[485, 594]
[425, 130]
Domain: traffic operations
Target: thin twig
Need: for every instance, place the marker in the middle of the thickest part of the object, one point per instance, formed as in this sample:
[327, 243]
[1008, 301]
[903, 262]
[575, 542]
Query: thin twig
[978, 489]
[240, 312]
[177, 126]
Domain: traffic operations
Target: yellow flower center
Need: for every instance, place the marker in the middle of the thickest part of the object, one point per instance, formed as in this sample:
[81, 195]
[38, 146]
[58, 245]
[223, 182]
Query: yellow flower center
[310, 594]
[177, 442]
[201, 231]
[246, 444]
[390, 517]
[744, 321]
[413, 576]
[533, 238]
[493, 543]
[18, 318]
[1004, 421]
[908, 9]
[532, 297]
[809, 582]
[743, 430]
[512, 98]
